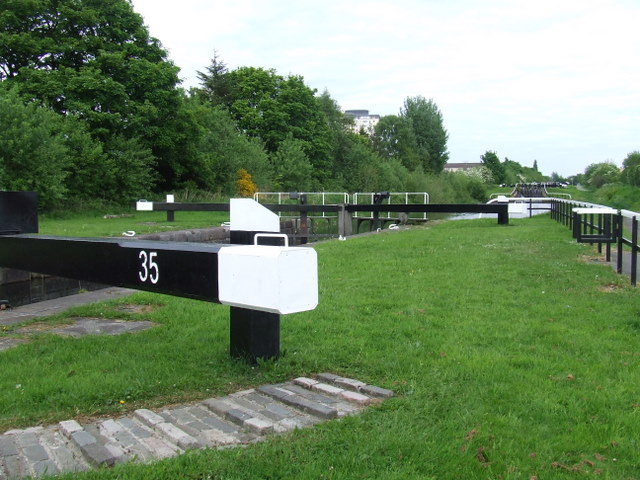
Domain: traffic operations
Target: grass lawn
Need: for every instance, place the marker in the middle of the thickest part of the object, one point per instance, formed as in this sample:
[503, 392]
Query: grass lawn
[513, 354]
[111, 224]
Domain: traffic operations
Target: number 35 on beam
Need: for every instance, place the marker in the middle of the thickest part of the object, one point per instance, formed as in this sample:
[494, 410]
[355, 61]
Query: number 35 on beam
[272, 279]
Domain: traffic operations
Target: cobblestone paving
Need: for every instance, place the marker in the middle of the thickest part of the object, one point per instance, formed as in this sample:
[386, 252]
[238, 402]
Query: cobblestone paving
[237, 419]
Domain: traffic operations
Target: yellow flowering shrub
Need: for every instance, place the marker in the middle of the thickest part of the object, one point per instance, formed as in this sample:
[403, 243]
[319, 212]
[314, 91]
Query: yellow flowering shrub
[244, 185]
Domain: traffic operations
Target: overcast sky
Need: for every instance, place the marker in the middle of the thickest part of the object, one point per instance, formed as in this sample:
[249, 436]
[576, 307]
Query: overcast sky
[557, 81]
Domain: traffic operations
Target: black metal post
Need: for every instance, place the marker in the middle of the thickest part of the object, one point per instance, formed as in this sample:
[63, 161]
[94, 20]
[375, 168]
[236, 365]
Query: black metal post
[304, 220]
[600, 229]
[253, 334]
[570, 218]
[634, 250]
[378, 198]
[612, 226]
[576, 225]
[503, 216]
[18, 212]
[620, 243]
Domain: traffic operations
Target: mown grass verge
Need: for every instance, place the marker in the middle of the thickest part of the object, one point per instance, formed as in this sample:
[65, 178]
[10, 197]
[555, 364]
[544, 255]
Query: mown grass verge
[512, 354]
[113, 223]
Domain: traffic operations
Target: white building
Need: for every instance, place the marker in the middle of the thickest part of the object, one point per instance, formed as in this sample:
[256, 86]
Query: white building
[363, 120]
[461, 167]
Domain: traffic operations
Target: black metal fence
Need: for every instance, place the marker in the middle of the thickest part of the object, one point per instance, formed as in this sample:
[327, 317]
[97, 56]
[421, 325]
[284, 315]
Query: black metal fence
[603, 226]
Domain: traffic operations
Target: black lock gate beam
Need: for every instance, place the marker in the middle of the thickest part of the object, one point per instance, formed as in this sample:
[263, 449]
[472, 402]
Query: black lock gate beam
[252, 277]
[180, 269]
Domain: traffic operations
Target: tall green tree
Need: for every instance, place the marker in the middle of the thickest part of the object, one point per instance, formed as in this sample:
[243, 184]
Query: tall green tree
[293, 170]
[224, 150]
[598, 174]
[33, 152]
[55, 156]
[394, 137]
[270, 107]
[492, 162]
[514, 172]
[214, 81]
[95, 60]
[428, 127]
[631, 168]
[341, 139]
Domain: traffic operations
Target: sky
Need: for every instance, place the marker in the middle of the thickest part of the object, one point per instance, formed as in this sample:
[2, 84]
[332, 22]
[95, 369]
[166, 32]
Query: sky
[556, 81]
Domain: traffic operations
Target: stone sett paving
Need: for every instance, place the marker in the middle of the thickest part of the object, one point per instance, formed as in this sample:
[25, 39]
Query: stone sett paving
[240, 418]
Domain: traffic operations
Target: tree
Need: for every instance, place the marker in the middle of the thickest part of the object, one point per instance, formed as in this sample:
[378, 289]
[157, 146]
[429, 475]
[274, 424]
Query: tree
[33, 154]
[341, 140]
[393, 137]
[363, 167]
[56, 157]
[131, 171]
[556, 177]
[272, 108]
[492, 162]
[223, 150]
[335, 117]
[598, 174]
[631, 168]
[215, 86]
[95, 60]
[293, 170]
[431, 137]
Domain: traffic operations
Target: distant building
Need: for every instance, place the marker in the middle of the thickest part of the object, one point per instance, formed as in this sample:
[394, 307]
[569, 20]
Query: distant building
[363, 120]
[456, 167]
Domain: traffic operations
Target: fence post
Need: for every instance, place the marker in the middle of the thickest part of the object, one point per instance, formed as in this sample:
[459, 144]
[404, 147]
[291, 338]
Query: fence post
[304, 220]
[634, 250]
[378, 198]
[620, 243]
[599, 228]
[345, 221]
[576, 225]
[609, 226]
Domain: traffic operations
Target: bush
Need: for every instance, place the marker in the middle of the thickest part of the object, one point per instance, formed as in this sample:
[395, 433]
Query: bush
[618, 196]
[34, 155]
[244, 185]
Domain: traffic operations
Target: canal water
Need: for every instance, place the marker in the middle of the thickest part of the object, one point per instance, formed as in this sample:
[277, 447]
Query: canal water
[516, 210]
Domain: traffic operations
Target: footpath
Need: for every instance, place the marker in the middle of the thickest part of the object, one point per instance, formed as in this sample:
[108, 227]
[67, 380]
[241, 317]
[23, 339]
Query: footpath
[144, 435]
